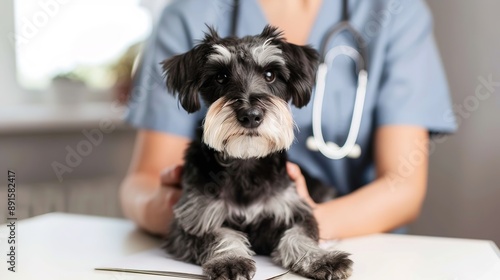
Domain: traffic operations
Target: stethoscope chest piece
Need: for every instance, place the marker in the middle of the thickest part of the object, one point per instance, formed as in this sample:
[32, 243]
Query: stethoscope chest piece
[354, 153]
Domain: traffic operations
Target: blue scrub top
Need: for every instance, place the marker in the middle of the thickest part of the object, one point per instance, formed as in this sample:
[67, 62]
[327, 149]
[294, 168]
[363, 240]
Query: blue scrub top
[406, 86]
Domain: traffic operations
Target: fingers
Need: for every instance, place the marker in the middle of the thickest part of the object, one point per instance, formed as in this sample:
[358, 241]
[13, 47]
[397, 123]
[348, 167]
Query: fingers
[295, 174]
[173, 196]
[172, 176]
[293, 171]
[300, 182]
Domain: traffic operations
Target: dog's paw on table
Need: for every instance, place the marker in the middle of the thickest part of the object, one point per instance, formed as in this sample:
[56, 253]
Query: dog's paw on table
[230, 268]
[331, 266]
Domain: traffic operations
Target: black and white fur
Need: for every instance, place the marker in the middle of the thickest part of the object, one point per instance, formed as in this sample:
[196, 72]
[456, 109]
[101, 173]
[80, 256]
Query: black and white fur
[237, 197]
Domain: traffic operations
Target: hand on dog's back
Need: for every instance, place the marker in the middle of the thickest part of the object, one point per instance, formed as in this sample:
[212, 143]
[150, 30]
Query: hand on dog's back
[169, 192]
[171, 177]
[157, 212]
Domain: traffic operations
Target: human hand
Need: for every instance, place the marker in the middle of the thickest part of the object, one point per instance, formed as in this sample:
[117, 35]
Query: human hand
[171, 177]
[300, 182]
[159, 209]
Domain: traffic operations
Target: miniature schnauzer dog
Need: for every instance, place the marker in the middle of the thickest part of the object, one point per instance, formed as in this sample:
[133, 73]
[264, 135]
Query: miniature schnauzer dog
[237, 197]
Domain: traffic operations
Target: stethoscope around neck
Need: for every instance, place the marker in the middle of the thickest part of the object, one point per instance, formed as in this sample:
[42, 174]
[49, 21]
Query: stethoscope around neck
[316, 142]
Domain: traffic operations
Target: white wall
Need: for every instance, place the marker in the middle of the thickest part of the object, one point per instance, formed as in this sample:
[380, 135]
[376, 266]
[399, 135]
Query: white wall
[464, 187]
[9, 92]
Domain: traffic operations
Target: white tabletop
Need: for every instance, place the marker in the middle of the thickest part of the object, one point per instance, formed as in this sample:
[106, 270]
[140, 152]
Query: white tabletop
[65, 246]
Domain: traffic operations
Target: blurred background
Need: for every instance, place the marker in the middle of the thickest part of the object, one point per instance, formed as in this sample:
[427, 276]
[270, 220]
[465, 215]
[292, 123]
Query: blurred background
[65, 65]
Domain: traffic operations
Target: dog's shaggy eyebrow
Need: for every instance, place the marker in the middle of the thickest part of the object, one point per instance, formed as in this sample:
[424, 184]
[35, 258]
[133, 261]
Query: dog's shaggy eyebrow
[267, 53]
[222, 54]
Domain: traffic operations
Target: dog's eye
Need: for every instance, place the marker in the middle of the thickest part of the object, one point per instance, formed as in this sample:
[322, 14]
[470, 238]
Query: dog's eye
[269, 76]
[222, 78]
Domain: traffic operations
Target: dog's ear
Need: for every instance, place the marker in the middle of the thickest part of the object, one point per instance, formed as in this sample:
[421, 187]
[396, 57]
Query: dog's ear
[183, 72]
[181, 75]
[302, 62]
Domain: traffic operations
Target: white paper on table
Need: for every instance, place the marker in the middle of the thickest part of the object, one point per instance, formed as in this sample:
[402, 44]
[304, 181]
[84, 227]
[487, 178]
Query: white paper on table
[159, 260]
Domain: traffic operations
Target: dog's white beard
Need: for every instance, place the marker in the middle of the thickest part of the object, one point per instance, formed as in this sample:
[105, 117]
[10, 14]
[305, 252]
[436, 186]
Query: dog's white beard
[223, 132]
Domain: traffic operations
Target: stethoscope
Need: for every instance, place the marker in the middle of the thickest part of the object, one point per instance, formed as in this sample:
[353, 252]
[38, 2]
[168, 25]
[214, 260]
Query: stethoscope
[316, 142]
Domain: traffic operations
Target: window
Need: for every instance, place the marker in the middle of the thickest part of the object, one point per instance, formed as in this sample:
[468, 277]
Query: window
[78, 40]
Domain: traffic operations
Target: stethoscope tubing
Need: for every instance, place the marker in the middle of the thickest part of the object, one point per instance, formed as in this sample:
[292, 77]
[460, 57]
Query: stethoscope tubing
[316, 142]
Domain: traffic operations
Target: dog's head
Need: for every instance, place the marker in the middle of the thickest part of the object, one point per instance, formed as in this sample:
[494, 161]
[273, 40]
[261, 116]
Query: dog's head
[247, 84]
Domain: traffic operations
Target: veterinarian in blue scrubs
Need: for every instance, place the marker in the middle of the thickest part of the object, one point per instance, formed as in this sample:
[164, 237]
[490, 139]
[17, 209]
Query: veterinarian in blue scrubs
[383, 186]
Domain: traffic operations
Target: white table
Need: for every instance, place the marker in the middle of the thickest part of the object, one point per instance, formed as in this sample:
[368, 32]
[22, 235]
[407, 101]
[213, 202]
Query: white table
[65, 246]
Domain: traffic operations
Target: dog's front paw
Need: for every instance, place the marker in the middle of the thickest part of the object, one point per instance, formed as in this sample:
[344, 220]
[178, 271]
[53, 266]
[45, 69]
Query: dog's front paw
[331, 266]
[230, 268]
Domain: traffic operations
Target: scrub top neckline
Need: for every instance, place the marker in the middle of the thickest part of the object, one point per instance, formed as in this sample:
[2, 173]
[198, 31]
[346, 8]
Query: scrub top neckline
[327, 16]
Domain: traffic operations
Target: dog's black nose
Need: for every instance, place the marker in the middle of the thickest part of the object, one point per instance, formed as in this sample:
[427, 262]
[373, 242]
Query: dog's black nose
[250, 118]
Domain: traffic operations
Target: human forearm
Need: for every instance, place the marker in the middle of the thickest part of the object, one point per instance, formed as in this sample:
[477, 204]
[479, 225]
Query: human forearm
[390, 201]
[378, 207]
